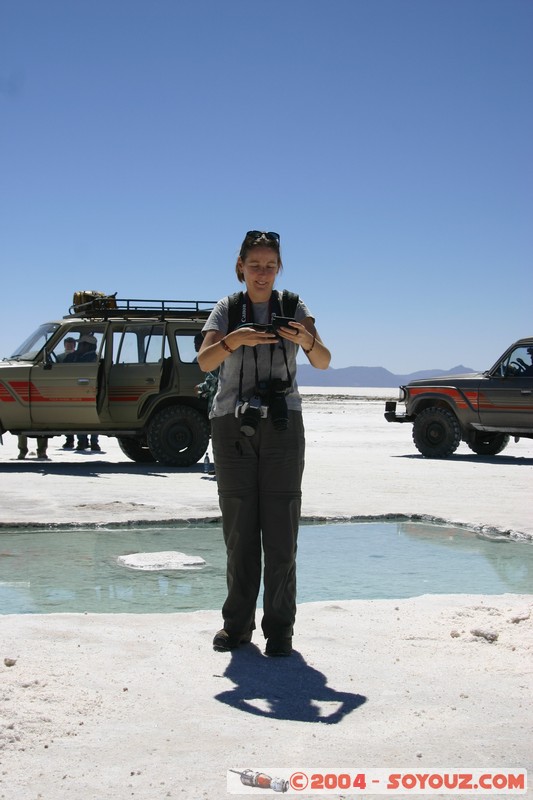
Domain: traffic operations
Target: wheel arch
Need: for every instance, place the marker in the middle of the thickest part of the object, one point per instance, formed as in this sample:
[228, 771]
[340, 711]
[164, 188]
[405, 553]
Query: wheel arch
[155, 404]
[436, 401]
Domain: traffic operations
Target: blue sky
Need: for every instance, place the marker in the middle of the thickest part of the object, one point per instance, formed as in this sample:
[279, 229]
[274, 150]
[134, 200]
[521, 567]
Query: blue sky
[389, 142]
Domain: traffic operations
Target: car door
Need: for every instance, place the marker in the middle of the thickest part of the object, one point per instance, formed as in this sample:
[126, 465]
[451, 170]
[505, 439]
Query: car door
[506, 395]
[187, 342]
[137, 358]
[64, 394]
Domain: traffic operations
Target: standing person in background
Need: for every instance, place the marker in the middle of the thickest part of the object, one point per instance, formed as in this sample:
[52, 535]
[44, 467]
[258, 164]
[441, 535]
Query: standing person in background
[68, 355]
[86, 353]
[258, 444]
[42, 446]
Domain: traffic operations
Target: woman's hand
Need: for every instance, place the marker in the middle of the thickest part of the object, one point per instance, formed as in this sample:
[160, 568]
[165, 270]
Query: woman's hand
[216, 347]
[250, 337]
[297, 333]
[305, 334]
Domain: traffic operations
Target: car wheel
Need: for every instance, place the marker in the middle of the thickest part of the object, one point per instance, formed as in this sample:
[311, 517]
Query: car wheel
[136, 449]
[178, 436]
[436, 432]
[488, 444]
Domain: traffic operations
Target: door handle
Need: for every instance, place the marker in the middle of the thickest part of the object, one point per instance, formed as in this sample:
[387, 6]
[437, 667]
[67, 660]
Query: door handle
[83, 381]
[525, 391]
[150, 380]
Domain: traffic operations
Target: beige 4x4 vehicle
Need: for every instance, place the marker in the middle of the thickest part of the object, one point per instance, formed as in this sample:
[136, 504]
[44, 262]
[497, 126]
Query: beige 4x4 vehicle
[134, 376]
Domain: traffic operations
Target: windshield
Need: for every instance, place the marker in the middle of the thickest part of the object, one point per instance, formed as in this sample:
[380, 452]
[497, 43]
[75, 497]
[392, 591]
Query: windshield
[33, 345]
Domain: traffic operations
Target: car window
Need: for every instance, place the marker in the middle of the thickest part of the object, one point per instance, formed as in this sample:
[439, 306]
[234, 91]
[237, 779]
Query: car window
[188, 343]
[139, 344]
[66, 351]
[33, 345]
[518, 363]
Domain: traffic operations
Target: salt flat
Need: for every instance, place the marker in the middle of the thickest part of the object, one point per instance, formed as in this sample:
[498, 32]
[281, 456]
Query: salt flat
[122, 706]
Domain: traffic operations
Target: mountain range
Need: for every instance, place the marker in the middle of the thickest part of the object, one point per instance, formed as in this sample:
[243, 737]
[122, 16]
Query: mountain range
[367, 376]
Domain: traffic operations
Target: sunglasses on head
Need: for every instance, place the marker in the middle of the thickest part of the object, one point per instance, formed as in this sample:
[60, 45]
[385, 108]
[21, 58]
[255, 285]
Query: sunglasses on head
[274, 237]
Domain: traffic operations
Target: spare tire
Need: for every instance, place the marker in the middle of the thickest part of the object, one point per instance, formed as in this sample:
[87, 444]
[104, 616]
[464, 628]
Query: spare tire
[178, 436]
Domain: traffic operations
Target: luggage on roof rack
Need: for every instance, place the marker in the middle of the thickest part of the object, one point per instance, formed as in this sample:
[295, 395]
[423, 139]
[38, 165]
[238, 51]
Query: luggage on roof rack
[90, 300]
[97, 304]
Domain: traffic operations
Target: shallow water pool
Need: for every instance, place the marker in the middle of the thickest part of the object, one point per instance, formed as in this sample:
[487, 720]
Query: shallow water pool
[76, 570]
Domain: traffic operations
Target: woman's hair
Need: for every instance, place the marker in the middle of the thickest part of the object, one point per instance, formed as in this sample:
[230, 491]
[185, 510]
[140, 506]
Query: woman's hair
[257, 239]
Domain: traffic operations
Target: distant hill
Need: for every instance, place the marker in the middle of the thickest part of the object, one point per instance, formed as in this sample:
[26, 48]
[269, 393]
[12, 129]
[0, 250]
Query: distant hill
[367, 376]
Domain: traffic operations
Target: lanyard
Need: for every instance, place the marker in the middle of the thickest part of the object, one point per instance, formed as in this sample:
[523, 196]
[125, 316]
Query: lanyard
[247, 315]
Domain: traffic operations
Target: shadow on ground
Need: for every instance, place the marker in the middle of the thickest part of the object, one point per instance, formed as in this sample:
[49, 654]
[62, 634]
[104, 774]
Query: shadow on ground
[518, 461]
[284, 688]
[90, 467]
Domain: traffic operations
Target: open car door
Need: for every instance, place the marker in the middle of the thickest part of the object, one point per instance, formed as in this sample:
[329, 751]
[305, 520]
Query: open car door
[137, 355]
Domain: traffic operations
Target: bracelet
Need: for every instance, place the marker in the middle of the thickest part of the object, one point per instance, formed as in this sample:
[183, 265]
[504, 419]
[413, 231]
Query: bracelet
[308, 351]
[225, 346]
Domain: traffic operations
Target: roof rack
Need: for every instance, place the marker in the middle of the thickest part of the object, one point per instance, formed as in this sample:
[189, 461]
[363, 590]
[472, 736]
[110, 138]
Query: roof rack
[112, 306]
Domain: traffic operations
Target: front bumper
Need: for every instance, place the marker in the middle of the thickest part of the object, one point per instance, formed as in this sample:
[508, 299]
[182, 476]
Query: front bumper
[392, 416]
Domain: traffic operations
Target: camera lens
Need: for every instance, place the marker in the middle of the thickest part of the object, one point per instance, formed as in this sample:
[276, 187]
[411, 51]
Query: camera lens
[251, 417]
[279, 413]
[250, 421]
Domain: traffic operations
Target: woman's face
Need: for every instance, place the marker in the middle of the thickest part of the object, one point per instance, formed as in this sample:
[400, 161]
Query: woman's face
[259, 270]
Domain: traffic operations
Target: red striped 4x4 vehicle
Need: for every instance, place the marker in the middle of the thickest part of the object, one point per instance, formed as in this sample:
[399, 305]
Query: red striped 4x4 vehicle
[124, 368]
[482, 409]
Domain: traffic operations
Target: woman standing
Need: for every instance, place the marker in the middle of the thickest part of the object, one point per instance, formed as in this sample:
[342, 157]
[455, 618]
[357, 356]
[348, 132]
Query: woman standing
[258, 442]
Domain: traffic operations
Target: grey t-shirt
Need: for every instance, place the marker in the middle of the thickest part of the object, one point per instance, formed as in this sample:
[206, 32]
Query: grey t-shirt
[270, 361]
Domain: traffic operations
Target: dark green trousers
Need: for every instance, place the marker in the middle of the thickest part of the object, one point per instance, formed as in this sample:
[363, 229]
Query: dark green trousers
[259, 487]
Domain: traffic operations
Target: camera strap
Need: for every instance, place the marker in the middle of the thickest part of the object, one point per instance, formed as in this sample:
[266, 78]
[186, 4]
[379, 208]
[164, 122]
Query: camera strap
[247, 315]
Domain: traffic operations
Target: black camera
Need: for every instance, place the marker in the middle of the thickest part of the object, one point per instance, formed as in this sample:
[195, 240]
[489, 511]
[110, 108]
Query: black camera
[279, 413]
[281, 322]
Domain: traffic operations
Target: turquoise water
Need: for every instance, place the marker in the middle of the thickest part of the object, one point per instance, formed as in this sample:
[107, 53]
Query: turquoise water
[76, 570]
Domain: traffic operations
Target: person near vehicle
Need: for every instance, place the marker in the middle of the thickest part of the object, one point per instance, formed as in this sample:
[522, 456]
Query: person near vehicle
[42, 446]
[70, 348]
[88, 441]
[85, 353]
[259, 455]
[208, 388]
[69, 354]
[529, 367]
[86, 349]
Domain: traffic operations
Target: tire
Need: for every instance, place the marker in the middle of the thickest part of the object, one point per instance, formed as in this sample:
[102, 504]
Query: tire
[178, 436]
[136, 449]
[488, 444]
[436, 432]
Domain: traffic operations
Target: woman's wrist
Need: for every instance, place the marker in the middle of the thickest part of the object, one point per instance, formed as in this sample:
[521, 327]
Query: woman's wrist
[225, 346]
[312, 345]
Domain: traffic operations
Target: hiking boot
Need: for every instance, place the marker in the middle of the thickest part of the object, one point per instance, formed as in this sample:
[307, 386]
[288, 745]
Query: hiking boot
[224, 640]
[278, 646]
[95, 448]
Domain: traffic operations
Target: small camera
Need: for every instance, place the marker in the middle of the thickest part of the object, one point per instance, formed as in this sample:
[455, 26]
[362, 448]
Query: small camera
[281, 322]
[253, 410]
[251, 416]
